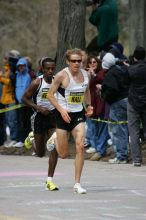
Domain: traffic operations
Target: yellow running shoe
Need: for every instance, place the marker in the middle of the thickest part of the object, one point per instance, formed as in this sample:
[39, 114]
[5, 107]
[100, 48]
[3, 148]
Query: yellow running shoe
[51, 186]
[28, 141]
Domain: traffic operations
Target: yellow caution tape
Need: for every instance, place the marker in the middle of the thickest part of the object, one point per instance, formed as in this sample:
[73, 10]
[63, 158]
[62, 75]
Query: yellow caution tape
[110, 122]
[98, 120]
[11, 108]
[107, 121]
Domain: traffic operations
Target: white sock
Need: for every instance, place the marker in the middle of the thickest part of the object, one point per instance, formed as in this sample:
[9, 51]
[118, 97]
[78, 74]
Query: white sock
[77, 184]
[49, 178]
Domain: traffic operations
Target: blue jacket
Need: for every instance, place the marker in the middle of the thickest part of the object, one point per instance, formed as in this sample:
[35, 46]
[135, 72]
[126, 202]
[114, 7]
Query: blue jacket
[23, 80]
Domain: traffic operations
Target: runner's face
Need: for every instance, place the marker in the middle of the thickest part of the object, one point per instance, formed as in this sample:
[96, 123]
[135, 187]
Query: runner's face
[48, 70]
[74, 62]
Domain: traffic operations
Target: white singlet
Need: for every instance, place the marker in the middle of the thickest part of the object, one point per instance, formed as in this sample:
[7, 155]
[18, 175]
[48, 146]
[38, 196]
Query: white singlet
[40, 98]
[71, 97]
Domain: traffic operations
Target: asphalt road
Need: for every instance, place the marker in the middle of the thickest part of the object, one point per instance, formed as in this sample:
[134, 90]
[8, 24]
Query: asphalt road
[114, 192]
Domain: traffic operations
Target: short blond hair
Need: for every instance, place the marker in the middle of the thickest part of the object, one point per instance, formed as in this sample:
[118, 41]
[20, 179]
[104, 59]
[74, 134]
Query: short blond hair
[73, 51]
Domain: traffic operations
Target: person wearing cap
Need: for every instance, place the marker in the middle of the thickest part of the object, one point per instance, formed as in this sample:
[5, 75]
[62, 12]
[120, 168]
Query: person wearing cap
[115, 91]
[117, 50]
[137, 103]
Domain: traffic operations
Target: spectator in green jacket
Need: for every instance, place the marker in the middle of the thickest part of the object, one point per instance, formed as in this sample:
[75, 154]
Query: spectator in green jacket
[105, 17]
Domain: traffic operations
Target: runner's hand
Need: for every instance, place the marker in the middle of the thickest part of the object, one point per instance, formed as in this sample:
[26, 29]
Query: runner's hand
[65, 115]
[42, 110]
[89, 111]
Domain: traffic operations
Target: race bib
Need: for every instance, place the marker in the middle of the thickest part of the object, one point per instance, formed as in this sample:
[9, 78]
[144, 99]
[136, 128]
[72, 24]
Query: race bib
[76, 97]
[44, 93]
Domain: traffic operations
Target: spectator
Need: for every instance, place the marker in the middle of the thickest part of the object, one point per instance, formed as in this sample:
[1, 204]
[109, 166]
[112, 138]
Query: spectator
[105, 17]
[99, 130]
[115, 92]
[23, 80]
[39, 71]
[30, 69]
[8, 95]
[117, 50]
[2, 121]
[137, 103]
[84, 60]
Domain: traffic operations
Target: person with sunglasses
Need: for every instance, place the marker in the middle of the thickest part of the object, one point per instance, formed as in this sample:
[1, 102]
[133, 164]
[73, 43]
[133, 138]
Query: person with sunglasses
[71, 86]
[97, 132]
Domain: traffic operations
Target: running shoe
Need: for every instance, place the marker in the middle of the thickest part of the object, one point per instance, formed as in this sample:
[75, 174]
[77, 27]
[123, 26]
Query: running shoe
[51, 186]
[29, 140]
[78, 189]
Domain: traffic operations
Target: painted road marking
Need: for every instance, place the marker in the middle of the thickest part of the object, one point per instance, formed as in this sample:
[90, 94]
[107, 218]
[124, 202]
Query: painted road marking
[137, 193]
[138, 175]
[21, 186]
[84, 201]
[20, 173]
[113, 216]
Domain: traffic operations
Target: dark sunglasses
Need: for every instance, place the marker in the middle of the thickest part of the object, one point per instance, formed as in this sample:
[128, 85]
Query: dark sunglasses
[76, 61]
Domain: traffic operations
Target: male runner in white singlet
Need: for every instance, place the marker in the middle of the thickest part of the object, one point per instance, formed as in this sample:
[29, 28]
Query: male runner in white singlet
[71, 88]
[44, 121]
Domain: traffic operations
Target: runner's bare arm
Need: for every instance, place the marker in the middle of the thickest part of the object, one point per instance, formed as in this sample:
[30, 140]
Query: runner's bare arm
[56, 83]
[87, 100]
[28, 100]
[30, 92]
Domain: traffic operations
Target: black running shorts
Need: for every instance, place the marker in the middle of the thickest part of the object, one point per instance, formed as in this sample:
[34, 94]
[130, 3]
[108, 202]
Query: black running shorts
[43, 123]
[76, 118]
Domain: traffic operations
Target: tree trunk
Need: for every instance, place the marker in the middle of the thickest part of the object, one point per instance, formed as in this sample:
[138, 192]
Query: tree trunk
[137, 13]
[71, 28]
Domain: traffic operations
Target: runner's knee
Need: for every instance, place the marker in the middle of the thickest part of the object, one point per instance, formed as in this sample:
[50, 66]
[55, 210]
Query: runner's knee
[63, 154]
[79, 148]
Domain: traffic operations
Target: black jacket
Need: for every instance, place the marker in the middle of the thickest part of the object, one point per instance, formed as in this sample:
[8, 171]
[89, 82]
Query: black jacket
[115, 85]
[137, 90]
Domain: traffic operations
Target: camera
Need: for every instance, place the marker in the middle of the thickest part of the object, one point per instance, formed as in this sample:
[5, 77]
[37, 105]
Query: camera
[92, 2]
